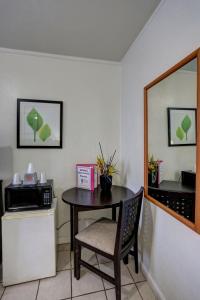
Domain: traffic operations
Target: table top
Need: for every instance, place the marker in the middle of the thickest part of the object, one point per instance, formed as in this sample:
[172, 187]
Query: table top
[175, 186]
[97, 198]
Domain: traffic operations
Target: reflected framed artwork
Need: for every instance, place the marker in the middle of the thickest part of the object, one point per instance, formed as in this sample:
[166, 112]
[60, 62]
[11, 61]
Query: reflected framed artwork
[171, 119]
[39, 123]
[181, 126]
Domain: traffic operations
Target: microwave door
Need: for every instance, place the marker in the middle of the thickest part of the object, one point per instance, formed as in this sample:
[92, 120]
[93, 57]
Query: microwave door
[23, 199]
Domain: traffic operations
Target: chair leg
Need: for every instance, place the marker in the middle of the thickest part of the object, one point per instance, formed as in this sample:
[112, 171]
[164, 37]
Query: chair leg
[136, 255]
[117, 273]
[125, 260]
[77, 257]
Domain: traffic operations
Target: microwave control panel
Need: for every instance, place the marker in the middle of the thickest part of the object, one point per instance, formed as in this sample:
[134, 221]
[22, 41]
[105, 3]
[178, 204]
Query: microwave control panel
[47, 197]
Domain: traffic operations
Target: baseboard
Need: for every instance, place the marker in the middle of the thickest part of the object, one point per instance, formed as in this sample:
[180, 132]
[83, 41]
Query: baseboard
[159, 295]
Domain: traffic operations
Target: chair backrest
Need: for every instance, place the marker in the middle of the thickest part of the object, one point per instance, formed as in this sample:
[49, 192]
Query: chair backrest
[128, 221]
[181, 202]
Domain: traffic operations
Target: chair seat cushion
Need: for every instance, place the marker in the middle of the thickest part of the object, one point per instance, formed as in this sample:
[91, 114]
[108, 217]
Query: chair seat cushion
[100, 234]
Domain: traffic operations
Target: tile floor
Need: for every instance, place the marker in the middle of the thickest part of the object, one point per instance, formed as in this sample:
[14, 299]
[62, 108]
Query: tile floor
[89, 287]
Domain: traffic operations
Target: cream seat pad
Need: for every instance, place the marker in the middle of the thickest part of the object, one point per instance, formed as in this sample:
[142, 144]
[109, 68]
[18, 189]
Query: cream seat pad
[100, 234]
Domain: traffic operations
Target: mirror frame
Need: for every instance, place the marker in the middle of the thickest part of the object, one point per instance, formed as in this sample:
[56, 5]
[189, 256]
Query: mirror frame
[196, 225]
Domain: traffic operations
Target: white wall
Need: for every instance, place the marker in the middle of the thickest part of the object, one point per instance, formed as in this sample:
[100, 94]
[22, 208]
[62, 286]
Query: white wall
[170, 250]
[177, 90]
[91, 94]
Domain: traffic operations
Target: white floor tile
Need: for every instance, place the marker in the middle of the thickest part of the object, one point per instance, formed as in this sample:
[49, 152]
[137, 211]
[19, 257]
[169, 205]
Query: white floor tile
[136, 276]
[63, 247]
[96, 296]
[1, 290]
[102, 259]
[22, 291]
[89, 282]
[63, 260]
[128, 292]
[145, 291]
[125, 275]
[55, 288]
[86, 255]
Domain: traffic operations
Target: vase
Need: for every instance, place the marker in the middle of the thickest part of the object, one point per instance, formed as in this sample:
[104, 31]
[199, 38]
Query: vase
[105, 182]
[153, 179]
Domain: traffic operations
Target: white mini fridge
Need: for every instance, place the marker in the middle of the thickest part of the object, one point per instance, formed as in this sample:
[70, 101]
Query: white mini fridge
[29, 245]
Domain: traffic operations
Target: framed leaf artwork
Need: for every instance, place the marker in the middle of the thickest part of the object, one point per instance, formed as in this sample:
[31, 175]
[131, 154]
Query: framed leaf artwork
[181, 126]
[39, 123]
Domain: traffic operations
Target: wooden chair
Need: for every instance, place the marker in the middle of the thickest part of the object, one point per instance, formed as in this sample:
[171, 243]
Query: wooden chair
[112, 240]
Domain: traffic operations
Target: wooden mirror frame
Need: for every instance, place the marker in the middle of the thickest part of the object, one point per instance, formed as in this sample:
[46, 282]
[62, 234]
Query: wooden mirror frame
[196, 225]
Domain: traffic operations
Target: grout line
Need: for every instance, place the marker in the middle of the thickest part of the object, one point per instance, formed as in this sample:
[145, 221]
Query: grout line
[133, 277]
[67, 269]
[90, 293]
[105, 262]
[59, 272]
[104, 290]
[130, 273]
[37, 290]
[68, 247]
[139, 291]
[101, 277]
[96, 258]
[62, 250]
[106, 295]
[128, 285]
[122, 285]
[3, 293]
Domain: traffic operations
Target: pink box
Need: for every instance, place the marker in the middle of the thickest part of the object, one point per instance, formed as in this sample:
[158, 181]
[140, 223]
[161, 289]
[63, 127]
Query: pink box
[86, 176]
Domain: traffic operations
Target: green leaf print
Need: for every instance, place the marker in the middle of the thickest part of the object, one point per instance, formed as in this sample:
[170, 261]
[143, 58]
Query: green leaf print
[180, 133]
[45, 132]
[35, 121]
[186, 124]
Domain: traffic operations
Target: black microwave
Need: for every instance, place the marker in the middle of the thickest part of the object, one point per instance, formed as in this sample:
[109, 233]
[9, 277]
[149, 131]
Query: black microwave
[23, 197]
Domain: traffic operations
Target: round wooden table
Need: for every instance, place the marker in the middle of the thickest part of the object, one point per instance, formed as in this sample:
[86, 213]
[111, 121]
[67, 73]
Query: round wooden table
[84, 200]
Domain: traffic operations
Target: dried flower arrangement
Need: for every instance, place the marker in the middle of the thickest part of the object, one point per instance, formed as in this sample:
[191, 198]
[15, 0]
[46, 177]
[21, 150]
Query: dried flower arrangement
[153, 171]
[106, 167]
[153, 164]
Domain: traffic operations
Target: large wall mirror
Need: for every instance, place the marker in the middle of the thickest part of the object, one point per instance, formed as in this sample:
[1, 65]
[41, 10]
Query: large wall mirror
[172, 136]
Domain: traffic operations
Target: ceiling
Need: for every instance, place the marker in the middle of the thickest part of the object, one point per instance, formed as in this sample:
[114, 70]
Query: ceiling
[99, 29]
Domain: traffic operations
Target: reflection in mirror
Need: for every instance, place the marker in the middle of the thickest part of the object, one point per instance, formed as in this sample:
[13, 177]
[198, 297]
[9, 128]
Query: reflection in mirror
[172, 104]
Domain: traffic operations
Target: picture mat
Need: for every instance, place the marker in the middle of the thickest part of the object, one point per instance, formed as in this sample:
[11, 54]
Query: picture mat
[50, 113]
[176, 117]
